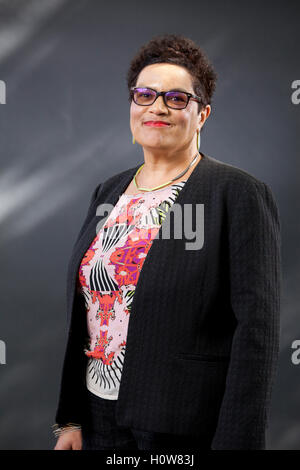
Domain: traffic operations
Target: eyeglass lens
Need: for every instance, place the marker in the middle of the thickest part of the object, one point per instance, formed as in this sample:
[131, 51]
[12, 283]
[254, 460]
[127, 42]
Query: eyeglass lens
[174, 99]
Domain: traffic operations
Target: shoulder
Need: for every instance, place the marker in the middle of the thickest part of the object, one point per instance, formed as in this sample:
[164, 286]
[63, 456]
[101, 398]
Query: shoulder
[109, 184]
[239, 187]
[117, 178]
[232, 178]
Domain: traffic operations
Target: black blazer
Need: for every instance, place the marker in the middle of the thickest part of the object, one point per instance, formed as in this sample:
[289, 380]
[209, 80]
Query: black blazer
[203, 336]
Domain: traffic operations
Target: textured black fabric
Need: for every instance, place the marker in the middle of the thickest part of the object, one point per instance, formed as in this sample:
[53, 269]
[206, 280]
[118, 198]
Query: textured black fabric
[101, 432]
[203, 336]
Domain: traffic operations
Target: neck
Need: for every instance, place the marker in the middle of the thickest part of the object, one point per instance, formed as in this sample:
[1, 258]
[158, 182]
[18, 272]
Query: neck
[161, 168]
[182, 175]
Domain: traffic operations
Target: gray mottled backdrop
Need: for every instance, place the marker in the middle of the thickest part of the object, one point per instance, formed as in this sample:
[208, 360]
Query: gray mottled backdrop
[64, 127]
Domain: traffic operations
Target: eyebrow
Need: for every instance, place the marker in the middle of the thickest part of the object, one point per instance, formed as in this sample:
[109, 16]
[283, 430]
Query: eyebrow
[173, 89]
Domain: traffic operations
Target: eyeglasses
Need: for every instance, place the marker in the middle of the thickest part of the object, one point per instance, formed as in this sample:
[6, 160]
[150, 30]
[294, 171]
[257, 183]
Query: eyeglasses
[172, 99]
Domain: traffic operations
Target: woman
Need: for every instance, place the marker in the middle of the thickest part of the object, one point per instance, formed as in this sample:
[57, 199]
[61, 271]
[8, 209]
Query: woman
[203, 337]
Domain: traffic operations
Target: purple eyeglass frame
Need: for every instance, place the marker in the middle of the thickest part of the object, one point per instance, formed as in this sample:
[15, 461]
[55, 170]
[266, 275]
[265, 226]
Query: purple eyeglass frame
[190, 96]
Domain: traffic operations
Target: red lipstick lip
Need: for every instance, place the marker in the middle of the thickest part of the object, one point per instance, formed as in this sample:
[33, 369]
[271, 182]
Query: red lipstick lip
[156, 123]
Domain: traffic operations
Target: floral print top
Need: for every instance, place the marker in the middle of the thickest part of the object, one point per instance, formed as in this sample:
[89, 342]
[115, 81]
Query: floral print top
[108, 275]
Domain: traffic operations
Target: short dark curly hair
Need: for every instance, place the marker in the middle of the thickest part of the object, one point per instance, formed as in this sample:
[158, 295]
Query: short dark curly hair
[180, 50]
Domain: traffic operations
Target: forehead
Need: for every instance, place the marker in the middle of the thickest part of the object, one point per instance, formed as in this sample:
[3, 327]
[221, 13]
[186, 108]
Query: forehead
[164, 76]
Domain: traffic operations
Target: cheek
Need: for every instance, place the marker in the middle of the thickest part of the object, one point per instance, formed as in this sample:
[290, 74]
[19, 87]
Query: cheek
[187, 121]
[183, 121]
[135, 116]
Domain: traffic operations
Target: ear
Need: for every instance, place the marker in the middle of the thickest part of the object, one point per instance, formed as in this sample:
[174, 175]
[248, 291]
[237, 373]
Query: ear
[204, 113]
[208, 110]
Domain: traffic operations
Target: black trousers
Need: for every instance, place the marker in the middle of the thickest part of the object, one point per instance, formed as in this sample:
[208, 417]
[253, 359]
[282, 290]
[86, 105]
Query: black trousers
[101, 432]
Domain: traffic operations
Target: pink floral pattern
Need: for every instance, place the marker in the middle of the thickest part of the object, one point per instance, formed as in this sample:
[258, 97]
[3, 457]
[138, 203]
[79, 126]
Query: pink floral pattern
[108, 275]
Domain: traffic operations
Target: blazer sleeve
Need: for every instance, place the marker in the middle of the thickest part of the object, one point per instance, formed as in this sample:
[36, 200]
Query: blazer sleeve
[72, 377]
[255, 293]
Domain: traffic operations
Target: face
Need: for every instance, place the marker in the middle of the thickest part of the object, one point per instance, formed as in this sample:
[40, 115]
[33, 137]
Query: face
[181, 133]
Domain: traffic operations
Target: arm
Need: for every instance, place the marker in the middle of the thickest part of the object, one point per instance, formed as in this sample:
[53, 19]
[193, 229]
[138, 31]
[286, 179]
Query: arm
[255, 280]
[72, 385]
[58, 430]
[69, 438]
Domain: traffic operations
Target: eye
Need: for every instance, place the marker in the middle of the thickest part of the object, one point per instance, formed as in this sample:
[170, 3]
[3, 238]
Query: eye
[176, 97]
[144, 95]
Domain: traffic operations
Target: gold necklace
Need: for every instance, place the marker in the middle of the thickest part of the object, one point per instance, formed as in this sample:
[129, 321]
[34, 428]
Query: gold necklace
[165, 184]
